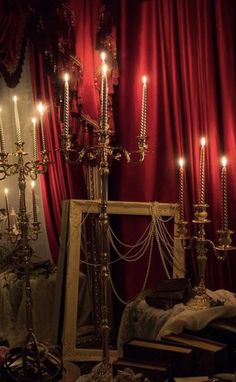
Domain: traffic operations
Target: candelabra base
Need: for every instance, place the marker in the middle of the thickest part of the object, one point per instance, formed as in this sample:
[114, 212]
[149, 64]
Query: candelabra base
[100, 373]
[199, 302]
[32, 363]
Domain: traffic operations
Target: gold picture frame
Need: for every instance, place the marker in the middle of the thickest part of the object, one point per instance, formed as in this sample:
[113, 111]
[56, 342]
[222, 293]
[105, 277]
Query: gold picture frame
[68, 281]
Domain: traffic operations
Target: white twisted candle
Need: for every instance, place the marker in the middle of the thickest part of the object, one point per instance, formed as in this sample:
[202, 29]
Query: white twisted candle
[7, 208]
[144, 108]
[181, 188]
[224, 199]
[41, 110]
[2, 138]
[66, 106]
[17, 121]
[35, 217]
[202, 171]
[104, 98]
[35, 148]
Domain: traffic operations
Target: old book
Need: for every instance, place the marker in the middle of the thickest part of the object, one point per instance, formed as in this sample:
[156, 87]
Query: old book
[170, 292]
[209, 356]
[154, 372]
[178, 356]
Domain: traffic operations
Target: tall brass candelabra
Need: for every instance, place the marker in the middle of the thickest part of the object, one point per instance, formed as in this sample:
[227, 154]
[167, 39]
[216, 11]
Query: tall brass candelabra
[199, 242]
[33, 362]
[103, 152]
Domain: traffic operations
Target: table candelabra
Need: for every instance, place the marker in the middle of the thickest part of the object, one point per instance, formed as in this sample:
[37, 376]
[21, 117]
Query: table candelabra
[103, 153]
[199, 242]
[34, 361]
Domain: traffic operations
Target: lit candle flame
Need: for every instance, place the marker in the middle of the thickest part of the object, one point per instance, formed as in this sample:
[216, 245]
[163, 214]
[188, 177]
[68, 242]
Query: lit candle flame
[14, 98]
[33, 121]
[66, 77]
[40, 108]
[181, 162]
[32, 184]
[203, 141]
[224, 161]
[6, 191]
[144, 79]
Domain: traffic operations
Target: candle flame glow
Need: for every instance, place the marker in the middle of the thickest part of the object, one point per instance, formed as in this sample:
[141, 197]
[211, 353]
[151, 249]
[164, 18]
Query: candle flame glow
[103, 56]
[181, 162]
[203, 141]
[40, 108]
[14, 98]
[66, 77]
[6, 191]
[144, 79]
[32, 184]
[224, 161]
[33, 121]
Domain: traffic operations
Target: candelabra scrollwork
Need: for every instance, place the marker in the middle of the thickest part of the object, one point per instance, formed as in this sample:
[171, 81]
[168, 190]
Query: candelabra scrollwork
[74, 153]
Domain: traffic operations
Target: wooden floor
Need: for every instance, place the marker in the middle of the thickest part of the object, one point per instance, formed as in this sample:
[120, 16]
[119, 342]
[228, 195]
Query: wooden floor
[71, 372]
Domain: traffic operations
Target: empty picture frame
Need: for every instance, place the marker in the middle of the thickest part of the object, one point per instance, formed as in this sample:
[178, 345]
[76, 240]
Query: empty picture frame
[72, 218]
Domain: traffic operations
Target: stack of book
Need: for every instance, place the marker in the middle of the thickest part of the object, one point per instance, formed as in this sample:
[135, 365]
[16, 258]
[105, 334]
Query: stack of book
[209, 357]
[173, 356]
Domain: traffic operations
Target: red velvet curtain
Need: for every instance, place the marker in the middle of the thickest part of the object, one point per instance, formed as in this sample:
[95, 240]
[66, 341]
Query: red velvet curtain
[187, 50]
[67, 181]
[86, 20]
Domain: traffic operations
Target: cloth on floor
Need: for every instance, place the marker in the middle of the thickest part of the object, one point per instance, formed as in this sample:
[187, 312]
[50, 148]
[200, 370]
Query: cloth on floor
[141, 320]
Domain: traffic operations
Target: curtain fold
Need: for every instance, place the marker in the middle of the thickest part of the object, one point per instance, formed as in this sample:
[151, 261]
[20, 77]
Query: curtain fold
[187, 50]
[62, 181]
[12, 45]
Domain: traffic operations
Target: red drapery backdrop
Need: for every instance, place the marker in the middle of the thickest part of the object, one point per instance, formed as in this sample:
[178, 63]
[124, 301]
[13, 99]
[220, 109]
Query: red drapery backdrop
[67, 181]
[187, 50]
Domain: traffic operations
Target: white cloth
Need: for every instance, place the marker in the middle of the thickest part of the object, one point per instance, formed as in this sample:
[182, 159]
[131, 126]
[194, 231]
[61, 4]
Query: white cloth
[141, 320]
[13, 310]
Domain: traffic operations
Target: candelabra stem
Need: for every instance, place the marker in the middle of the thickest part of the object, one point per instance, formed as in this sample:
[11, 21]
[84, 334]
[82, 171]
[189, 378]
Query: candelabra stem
[200, 300]
[103, 223]
[29, 317]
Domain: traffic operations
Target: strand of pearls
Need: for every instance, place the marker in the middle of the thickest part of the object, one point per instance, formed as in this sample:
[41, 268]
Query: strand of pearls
[145, 277]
